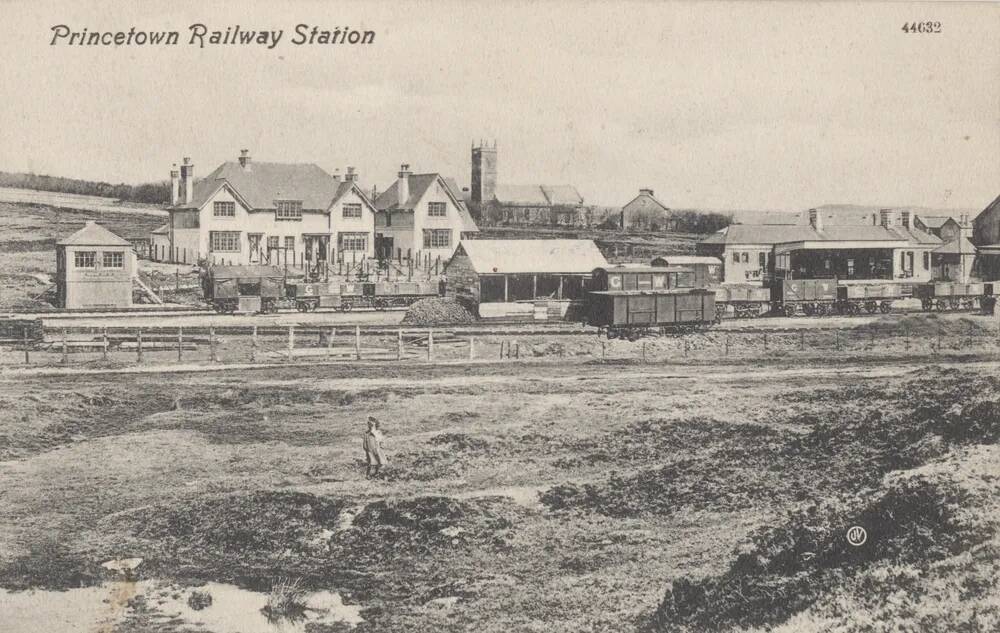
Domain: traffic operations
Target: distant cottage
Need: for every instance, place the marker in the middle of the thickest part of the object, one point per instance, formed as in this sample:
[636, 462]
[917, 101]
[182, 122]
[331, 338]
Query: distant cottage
[645, 213]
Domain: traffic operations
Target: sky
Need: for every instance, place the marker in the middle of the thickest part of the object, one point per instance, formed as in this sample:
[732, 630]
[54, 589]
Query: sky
[712, 105]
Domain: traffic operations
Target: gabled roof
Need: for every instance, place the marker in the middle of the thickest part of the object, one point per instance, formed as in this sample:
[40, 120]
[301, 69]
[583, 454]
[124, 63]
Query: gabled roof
[346, 187]
[562, 194]
[419, 184]
[989, 208]
[520, 194]
[262, 183]
[763, 234]
[958, 246]
[915, 236]
[935, 221]
[537, 195]
[766, 217]
[648, 196]
[533, 256]
[93, 234]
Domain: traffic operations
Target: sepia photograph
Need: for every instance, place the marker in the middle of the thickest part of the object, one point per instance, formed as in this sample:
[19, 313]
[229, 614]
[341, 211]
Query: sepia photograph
[536, 316]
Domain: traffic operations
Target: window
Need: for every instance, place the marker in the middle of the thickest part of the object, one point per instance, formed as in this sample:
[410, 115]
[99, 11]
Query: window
[762, 260]
[272, 242]
[927, 260]
[84, 259]
[736, 257]
[114, 259]
[437, 209]
[437, 238]
[746, 258]
[352, 210]
[850, 268]
[288, 210]
[224, 209]
[290, 242]
[353, 241]
[224, 241]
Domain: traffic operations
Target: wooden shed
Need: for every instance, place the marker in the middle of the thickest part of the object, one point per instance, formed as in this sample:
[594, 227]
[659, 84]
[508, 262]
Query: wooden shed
[531, 279]
[94, 269]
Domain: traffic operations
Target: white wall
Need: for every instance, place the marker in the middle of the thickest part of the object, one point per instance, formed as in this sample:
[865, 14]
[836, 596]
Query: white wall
[737, 272]
[436, 193]
[365, 224]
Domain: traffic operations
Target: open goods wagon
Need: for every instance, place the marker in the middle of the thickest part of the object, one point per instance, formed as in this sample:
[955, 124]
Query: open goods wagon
[347, 296]
[247, 289]
[951, 295]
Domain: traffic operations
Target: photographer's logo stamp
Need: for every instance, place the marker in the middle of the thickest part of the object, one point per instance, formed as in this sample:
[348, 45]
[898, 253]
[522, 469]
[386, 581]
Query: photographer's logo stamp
[857, 536]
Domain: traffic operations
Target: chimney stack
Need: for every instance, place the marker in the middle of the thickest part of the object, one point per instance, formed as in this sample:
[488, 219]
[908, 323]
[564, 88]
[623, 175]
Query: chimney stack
[336, 174]
[904, 219]
[888, 218]
[403, 185]
[245, 159]
[816, 219]
[648, 192]
[175, 185]
[350, 176]
[187, 180]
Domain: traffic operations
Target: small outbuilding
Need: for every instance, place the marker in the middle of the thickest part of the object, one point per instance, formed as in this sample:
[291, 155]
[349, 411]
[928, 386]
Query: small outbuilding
[533, 279]
[94, 269]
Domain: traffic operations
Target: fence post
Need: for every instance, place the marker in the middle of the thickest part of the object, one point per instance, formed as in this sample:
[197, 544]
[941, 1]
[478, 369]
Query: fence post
[837, 334]
[65, 351]
[180, 342]
[906, 338]
[138, 344]
[430, 345]
[501, 349]
[517, 350]
[253, 345]
[27, 358]
[177, 279]
[104, 347]
[291, 341]
[938, 350]
[211, 344]
[399, 344]
[802, 340]
[472, 348]
[765, 341]
[644, 350]
[357, 342]
[603, 351]
[727, 345]
[329, 341]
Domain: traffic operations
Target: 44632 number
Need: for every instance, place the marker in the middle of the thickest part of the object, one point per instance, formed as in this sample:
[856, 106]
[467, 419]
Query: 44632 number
[921, 27]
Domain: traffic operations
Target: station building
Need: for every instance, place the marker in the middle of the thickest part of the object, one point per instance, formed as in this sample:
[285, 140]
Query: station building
[531, 279]
[826, 244]
[94, 269]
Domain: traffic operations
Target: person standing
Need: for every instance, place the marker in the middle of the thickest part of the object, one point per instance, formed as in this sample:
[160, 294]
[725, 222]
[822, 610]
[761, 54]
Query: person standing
[374, 453]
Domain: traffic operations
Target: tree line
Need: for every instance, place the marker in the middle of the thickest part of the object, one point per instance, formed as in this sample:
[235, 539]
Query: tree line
[150, 193]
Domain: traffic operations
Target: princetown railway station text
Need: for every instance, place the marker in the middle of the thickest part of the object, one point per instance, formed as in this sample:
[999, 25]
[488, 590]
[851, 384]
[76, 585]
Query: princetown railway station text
[201, 36]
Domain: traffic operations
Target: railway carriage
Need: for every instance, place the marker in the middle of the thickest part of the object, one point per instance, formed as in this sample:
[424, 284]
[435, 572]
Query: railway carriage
[627, 302]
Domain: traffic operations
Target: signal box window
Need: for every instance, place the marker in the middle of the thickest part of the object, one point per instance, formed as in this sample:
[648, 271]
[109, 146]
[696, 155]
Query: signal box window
[85, 259]
[114, 259]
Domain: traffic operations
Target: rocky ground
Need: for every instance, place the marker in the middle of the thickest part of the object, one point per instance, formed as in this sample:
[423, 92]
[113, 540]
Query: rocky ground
[560, 497]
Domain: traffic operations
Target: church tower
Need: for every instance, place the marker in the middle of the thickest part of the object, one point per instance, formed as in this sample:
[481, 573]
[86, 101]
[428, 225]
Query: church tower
[484, 173]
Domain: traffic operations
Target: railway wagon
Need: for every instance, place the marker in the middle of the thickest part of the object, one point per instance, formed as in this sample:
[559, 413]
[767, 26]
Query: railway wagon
[633, 313]
[808, 296]
[952, 295]
[746, 300]
[244, 289]
[346, 296]
[868, 297]
[309, 295]
[632, 301]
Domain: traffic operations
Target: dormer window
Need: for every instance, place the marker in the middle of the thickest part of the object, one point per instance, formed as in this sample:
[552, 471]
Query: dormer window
[437, 209]
[288, 210]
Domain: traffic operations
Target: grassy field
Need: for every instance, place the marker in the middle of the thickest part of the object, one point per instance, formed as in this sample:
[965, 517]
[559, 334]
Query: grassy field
[577, 497]
[28, 246]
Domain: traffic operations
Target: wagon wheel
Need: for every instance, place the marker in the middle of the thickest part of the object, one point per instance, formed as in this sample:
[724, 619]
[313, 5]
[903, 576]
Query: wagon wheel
[942, 304]
[346, 306]
[954, 303]
[720, 312]
[789, 309]
[809, 308]
[871, 307]
[885, 307]
[968, 303]
[927, 304]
